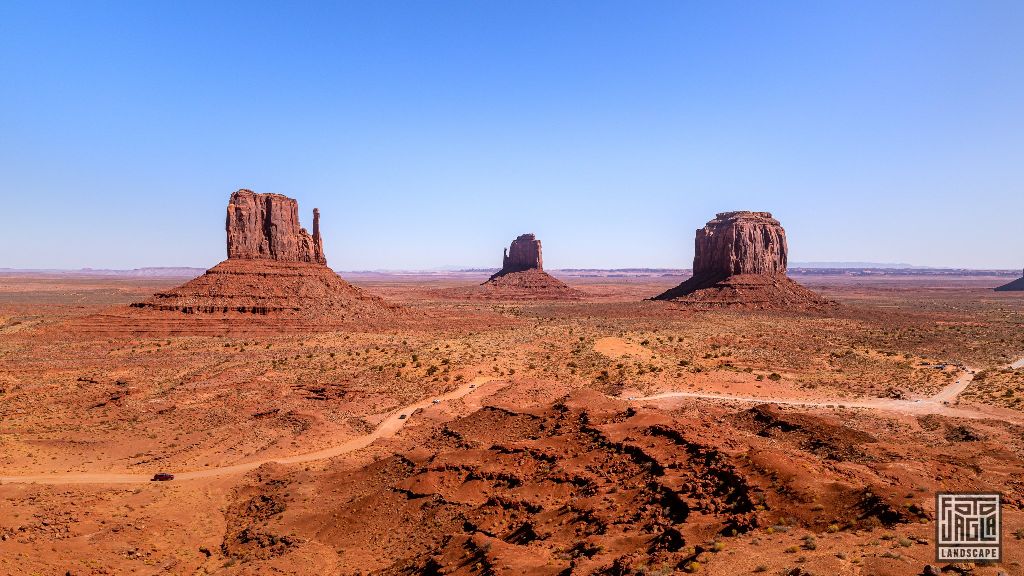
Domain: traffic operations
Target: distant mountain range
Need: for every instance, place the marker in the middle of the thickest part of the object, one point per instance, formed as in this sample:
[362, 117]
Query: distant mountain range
[879, 265]
[809, 268]
[152, 272]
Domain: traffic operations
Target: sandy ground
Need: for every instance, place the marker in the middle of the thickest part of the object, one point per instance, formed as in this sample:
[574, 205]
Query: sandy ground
[264, 431]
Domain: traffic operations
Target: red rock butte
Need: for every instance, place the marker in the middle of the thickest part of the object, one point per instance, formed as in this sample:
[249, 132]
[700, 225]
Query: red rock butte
[266, 226]
[524, 254]
[1015, 286]
[522, 276]
[274, 268]
[740, 260]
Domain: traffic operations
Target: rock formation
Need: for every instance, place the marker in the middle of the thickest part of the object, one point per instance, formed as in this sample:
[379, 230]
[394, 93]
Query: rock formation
[1015, 286]
[274, 268]
[740, 260]
[266, 226]
[740, 243]
[523, 254]
[522, 277]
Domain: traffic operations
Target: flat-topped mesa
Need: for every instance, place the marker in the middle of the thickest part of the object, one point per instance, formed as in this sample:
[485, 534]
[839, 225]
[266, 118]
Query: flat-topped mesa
[523, 254]
[740, 260]
[266, 226]
[740, 243]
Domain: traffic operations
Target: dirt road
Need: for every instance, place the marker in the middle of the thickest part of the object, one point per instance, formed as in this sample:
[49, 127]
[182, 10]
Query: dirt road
[943, 402]
[389, 427]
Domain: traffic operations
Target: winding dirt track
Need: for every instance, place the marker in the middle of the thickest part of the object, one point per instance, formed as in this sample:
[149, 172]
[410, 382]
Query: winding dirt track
[389, 427]
[940, 403]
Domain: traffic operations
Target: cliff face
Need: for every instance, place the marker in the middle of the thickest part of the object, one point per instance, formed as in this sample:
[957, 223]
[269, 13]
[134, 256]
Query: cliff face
[266, 226]
[275, 269]
[740, 260]
[523, 254]
[740, 243]
[522, 276]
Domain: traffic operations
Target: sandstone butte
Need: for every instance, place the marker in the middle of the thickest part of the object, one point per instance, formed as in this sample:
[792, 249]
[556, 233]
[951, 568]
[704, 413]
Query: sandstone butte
[522, 275]
[1015, 286]
[266, 226]
[740, 260]
[274, 268]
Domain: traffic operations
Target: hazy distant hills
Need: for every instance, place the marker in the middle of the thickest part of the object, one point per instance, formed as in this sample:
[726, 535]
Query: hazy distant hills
[879, 265]
[795, 268]
[152, 272]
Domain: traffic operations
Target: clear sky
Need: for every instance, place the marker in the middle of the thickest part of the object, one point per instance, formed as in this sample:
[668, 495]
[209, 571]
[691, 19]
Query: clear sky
[431, 133]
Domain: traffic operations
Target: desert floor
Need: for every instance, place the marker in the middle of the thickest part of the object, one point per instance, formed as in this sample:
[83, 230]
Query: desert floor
[609, 435]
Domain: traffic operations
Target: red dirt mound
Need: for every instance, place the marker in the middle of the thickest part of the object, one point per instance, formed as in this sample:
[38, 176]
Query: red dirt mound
[267, 287]
[587, 485]
[528, 284]
[250, 297]
[753, 291]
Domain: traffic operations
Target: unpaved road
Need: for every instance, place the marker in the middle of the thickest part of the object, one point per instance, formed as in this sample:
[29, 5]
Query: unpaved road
[389, 427]
[941, 403]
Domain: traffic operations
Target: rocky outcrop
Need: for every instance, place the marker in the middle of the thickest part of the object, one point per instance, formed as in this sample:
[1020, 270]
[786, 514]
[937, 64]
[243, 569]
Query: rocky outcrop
[266, 226]
[274, 269]
[740, 243]
[1015, 286]
[523, 254]
[522, 277]
[740, 260]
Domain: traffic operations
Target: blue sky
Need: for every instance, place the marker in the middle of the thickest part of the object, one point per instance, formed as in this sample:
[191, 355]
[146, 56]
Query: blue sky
[432, 133]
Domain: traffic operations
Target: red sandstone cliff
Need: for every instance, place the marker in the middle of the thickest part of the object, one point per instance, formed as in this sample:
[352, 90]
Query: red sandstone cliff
[740, 243]
[266, 226]
[523, 254]
[522, 276]
[740, 260]
[274, 268]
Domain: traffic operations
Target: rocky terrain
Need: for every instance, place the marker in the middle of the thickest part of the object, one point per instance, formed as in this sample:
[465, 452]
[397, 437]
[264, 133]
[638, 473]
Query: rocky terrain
[522, 277]
[594, 485]
[607, 435]
[740, 261]
[420, 425]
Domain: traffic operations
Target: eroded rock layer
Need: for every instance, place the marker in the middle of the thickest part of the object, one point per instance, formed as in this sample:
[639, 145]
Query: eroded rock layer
[266, 226]
[523, 254]
[522, 276]
[740, 260]
[588, 485]
[265, 287]
[527, 285]
[740, 243]
[274, 269]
